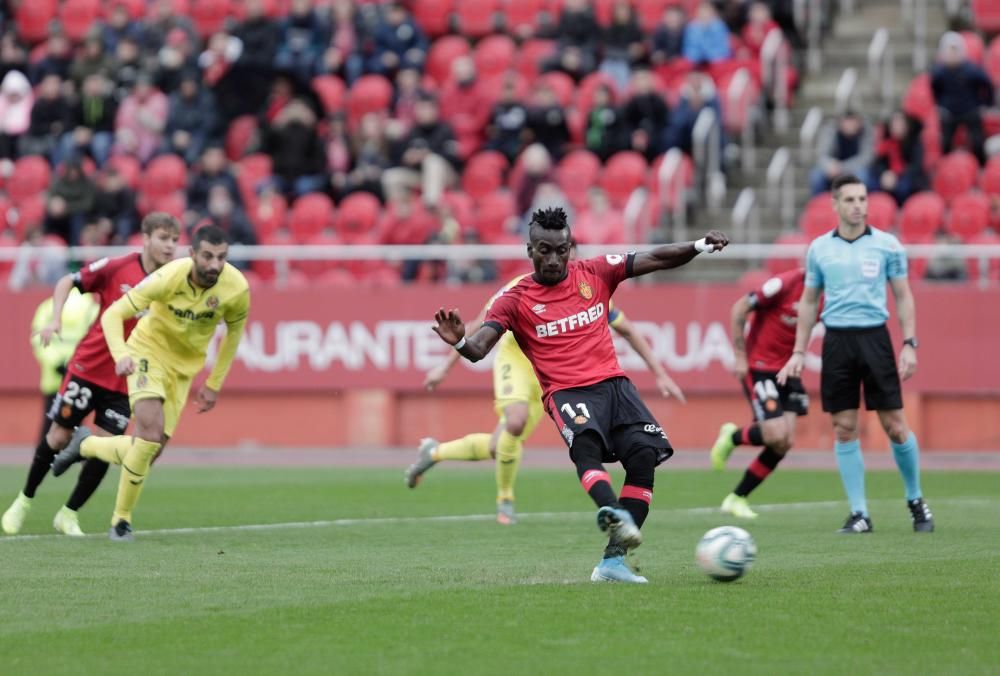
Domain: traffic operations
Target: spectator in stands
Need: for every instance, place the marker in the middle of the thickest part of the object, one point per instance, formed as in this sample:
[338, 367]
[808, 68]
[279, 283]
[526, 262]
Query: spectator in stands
[16, 101]
[343, 54]
[668, 38]
[93, 59]
[757, 28]
[536, 165]
[844, 147]
[174, 60]
[623, 43]
[547, 120]
[141, 120]
[58, 58]
[222, 210]
[50, 118]
[697, 94]
[946, 267]
[960, 88]
[190, 119]
[304, 36]
[646, 115]
[599, 223]
[706, 37]
[118, 26]
[70, 199]
[13, 55]
[899, 159]
[605, 133]
[398, 42]
[465, 105]
[578, 33]
[371, 157]
[279, 96]
[507, 127]
[93, 123]
[114, 207]
[212, 171]
[260, 36]
[218, 62]
[296, 151]
[426, 158]
[128, 67]
[160, 20]
[407, 91]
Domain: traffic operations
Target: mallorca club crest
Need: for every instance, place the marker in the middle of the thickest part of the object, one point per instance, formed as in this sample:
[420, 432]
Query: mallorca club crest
[212, 302]
[586, 291]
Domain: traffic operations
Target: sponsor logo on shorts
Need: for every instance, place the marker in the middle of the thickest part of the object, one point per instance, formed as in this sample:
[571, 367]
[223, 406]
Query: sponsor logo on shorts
[586, 291]
[120, 421]
[567, 435]
[654, 429]
[66, 411]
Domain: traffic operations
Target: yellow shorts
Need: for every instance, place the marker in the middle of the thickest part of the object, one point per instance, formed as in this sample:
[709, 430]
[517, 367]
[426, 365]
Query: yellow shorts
[152, 381]
[514, 381]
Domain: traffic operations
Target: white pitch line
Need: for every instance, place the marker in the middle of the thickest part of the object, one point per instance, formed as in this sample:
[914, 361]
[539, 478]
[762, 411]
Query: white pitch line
[456, 518]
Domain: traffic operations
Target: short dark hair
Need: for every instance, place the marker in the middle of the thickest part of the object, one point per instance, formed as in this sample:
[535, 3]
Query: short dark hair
[551, 218]
[210, 233]
[159, 219]
[842, 180]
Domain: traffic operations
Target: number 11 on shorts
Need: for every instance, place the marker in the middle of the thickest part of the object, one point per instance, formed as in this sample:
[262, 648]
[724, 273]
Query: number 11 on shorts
[568, 410]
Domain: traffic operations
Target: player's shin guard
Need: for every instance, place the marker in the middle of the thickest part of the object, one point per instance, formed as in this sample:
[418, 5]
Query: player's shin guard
[509, 450]
[758, 470]
[90, 478]
[134, 470]
[907, 456]
[111, 450]
[469, 447]
[586, 455]
[637, 492]
[40, 465]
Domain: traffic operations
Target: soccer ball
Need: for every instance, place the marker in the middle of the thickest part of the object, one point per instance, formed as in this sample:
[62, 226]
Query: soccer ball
[726, 553]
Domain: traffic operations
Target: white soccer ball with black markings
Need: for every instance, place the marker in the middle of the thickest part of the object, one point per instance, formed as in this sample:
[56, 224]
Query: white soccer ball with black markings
[726, 553]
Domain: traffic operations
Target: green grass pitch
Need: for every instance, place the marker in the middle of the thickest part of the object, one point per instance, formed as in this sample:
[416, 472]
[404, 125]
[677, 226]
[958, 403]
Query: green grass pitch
[382, 585]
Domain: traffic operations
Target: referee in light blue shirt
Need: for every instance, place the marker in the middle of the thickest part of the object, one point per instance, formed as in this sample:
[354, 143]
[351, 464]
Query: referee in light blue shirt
[851, 266]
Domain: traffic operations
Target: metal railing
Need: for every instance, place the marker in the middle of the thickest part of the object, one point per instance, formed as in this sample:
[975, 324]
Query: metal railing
[881, 70]
[632, 213]
[774, 67]
[781, 186]
[670, 185]
[735, 98]
[746, 217]
[706, 145]
[847, 94]
[808, 134]
[919, 35]
[808, 17]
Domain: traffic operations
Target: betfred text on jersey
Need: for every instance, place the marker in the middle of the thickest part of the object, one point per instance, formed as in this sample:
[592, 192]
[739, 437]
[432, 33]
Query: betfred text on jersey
[571, 323]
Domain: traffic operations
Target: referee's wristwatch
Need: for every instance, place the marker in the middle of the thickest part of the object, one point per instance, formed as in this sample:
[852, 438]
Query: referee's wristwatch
[912, 342]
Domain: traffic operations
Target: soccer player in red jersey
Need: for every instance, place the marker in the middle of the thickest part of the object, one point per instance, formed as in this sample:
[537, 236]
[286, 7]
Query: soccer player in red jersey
[558, 317]
[758, 358]
[91, 383]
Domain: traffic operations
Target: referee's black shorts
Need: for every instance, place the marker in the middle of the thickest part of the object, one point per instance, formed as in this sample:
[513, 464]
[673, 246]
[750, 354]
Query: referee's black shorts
[856, 357]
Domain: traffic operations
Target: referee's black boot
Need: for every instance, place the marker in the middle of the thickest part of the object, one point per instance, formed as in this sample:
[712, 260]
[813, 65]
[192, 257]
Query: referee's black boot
[857, 523]
[923, 520]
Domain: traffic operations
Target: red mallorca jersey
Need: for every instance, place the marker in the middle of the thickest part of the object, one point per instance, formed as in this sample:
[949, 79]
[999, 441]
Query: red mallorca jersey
[771, 338]
[563, 329]
[108, 279]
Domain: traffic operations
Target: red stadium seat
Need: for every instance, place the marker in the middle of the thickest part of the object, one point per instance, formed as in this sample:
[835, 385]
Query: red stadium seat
[576, 172]
[917, 267]
[32, 18]
[776, 266]
[969, 215]
[531, 55]
[484, 173]
[992, 61]
[955, 174]
[136, 8]
[494, 55]
[266, 269]
[267, 215]
[649, 12]
[493, 214]
[476, 19]
[239, 136]
[317, 267]
[738, 104]
[78, 17]
[128, 168]
[563, 86]
[974, 47]
[818, 220]
[311, 214]
[989, 183]
[922, 215]
[919, 99]
[357, 217]
[332, 92]
[442, 53]
[462, 207]
[209, 16]
[992, 265]
[164, 175]
[433, 16]
[251, 172]
[882, 210]
[624, 172]
[369, 94]
[174, 204]
[30, 177]
[986, 15]
[523, 17]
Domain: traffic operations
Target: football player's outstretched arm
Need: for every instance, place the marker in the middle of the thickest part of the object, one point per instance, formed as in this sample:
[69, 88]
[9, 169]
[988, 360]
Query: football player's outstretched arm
[675, 255]
[438, 373]
[452, 331]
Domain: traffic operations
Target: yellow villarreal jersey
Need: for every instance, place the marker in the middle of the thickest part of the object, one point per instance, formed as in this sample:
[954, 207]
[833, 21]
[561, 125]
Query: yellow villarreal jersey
[182, 317]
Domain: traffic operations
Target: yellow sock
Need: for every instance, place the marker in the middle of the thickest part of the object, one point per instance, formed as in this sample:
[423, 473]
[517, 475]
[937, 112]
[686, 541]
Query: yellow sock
[509, 449]
[469, 447]
[134, 470]
[109, 449]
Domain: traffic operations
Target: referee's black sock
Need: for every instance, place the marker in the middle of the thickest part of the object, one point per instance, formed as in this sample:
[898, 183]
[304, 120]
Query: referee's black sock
[586, 455]
[748, 436]
[758, 470]
[40, 466]
[90, 478]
